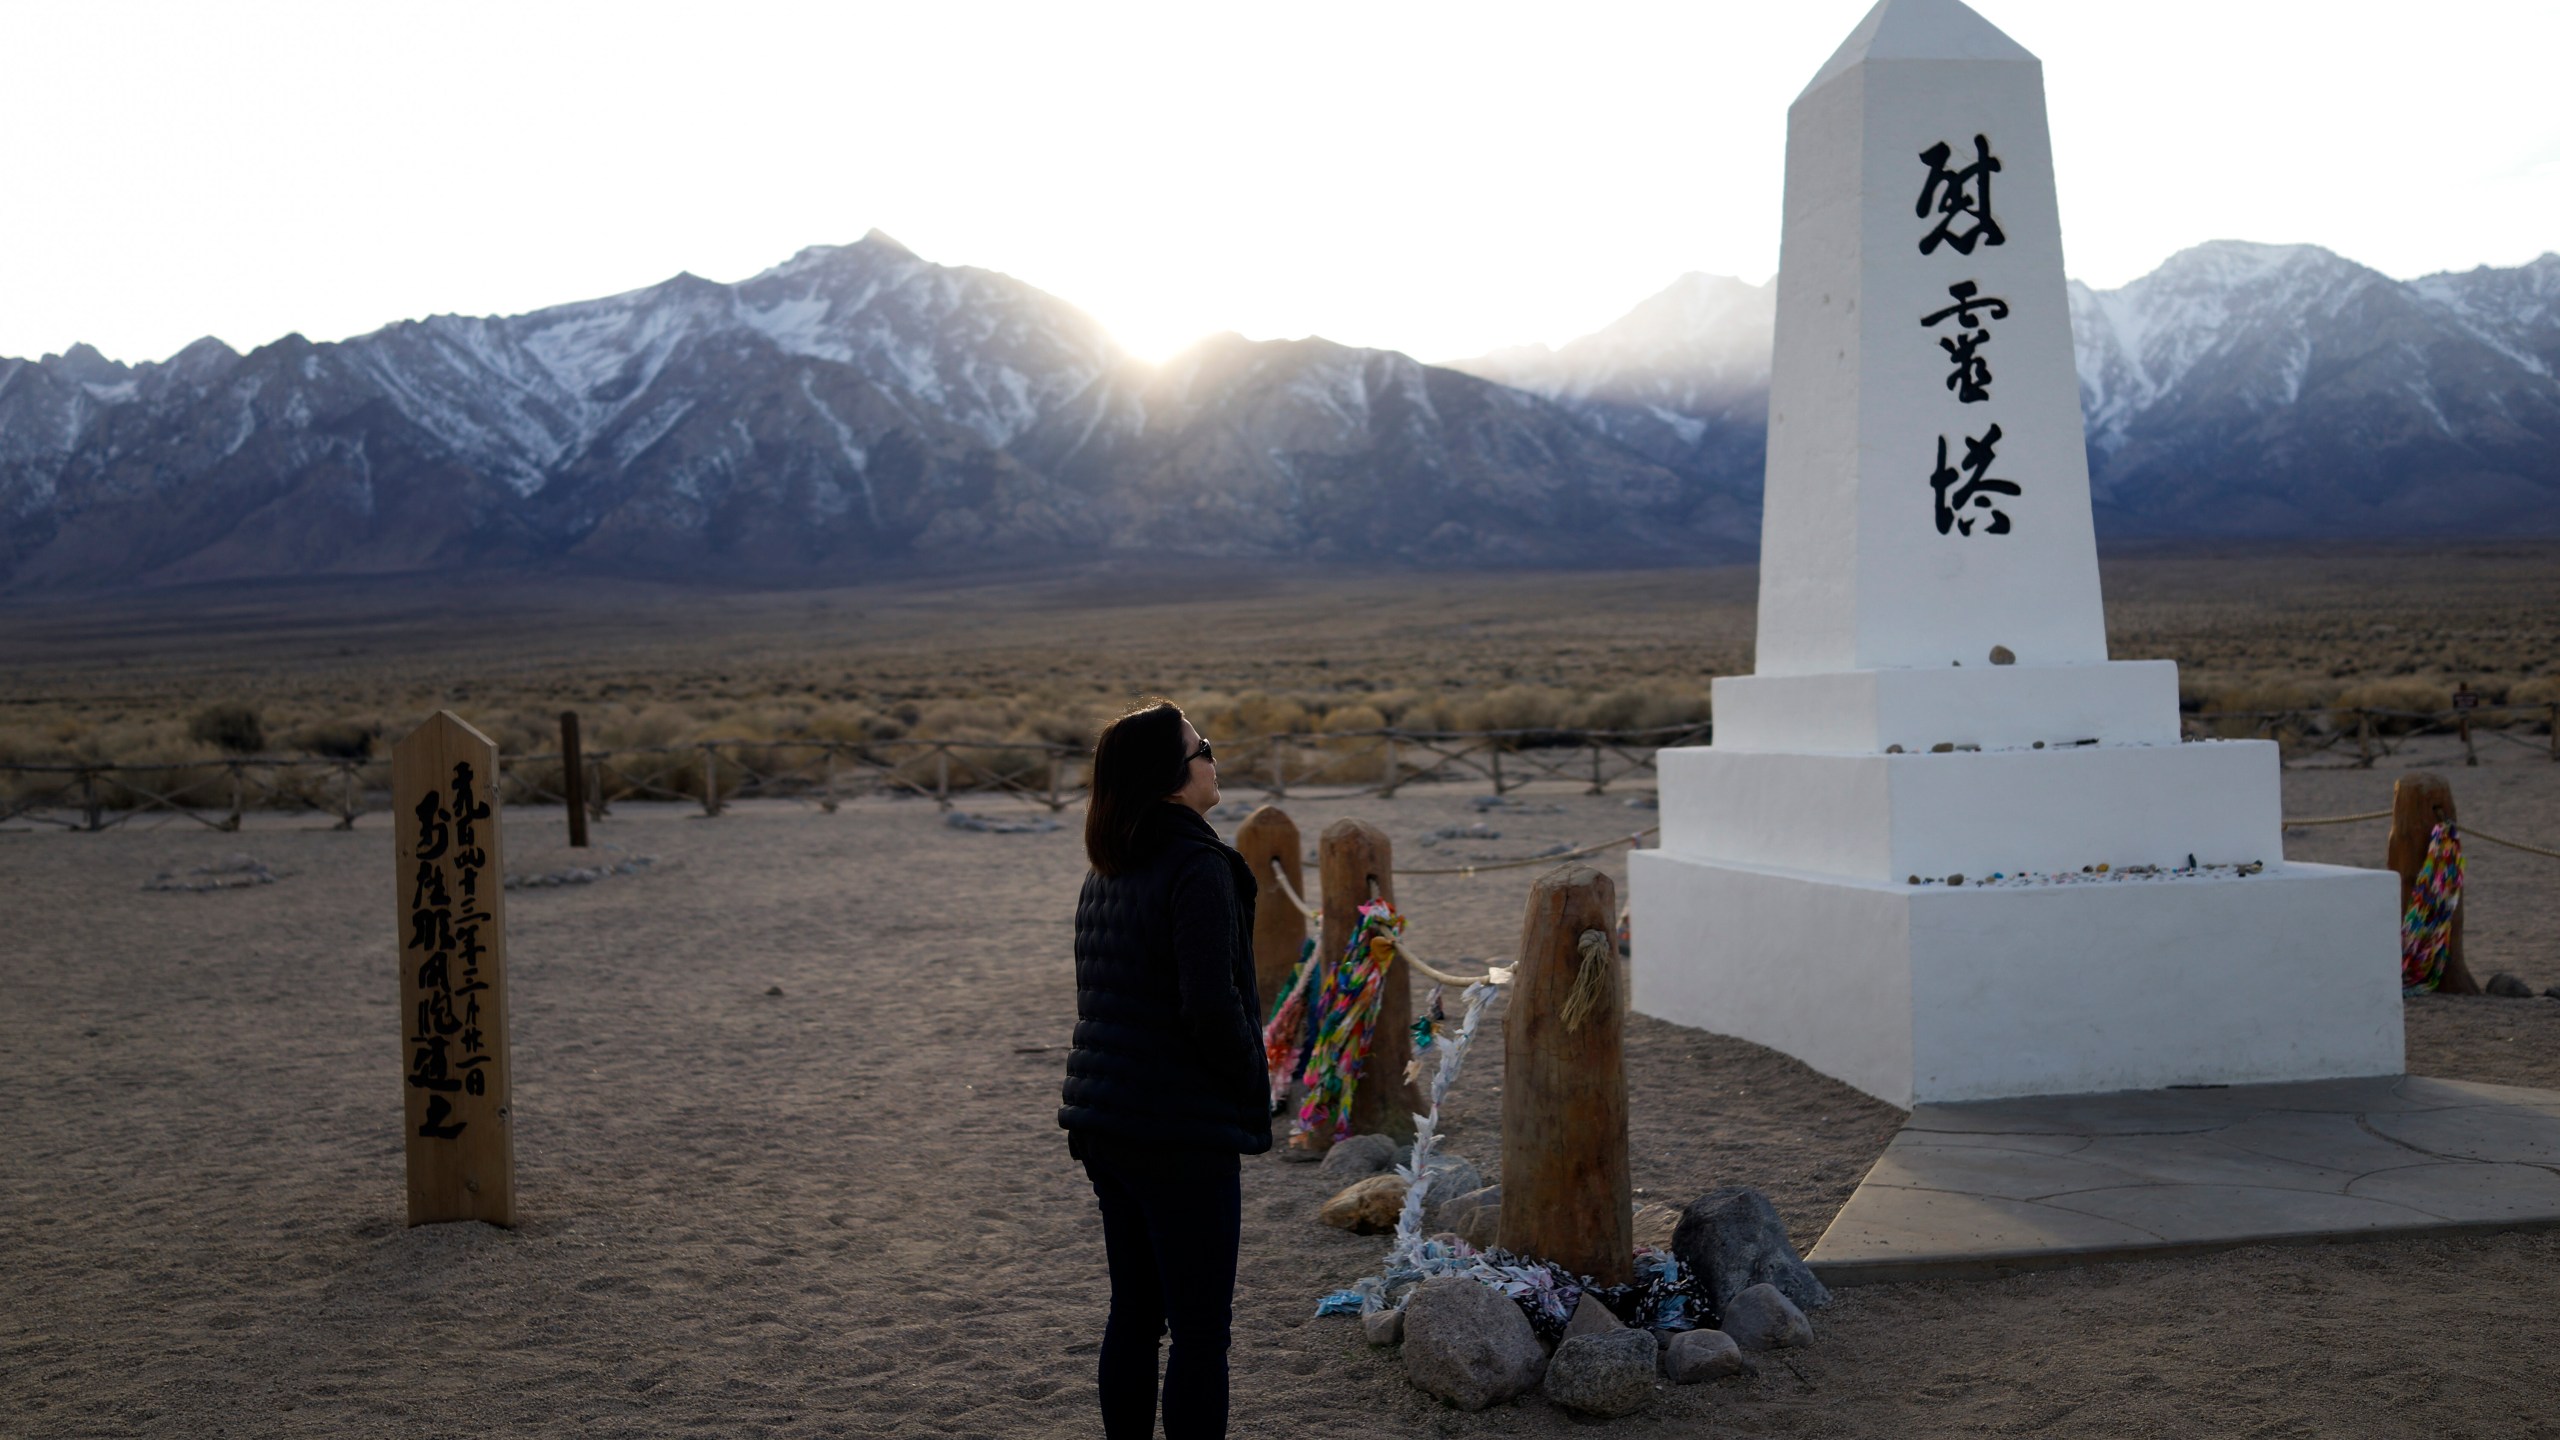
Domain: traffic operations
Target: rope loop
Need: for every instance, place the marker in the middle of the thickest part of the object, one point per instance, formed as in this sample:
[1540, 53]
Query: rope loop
[1592, 981]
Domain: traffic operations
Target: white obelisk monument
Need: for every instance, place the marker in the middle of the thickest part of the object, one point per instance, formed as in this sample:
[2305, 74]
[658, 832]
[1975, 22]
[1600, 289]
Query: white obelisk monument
[1934, 698]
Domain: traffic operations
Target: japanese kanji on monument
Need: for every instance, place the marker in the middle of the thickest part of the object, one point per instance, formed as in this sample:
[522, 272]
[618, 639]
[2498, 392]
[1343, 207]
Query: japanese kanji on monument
[1942, 847]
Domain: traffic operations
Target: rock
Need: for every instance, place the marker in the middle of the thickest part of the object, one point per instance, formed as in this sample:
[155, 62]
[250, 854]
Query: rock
[2552, 993]
[1359, 1155]
[1656, 1223]
[2003, 655]
[1607, 1374]
[1366, 1207]
[1697, 1356]
[1453, 1175]
[1383, 1327]
[2508, 986]
[1956, 879]
[1760, 1318]
[1590, 1317]
[1893, 749]
[1468, 1344]
[1732, 1240]
[1943, 747]
[1447, 1209]
[1483, 1225]
[773, 989]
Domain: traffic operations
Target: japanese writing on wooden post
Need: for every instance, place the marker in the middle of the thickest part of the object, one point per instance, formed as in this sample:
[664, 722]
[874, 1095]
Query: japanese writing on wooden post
[451, 924]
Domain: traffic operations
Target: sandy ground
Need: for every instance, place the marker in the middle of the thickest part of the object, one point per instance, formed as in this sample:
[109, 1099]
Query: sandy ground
[846, 1210]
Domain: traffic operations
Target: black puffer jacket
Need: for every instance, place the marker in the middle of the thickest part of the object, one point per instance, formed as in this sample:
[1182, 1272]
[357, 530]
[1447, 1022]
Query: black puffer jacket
[1168, 1044]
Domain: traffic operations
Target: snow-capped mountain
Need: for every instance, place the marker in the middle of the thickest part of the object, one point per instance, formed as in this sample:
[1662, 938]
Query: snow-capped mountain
[2238, 390]
[858, 406]
[852, 407]
[1682, 379]
[2282, 390]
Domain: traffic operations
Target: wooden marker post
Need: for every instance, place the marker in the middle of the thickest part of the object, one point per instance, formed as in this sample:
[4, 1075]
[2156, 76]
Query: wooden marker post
[2418, 802]
[1565, 1191]
[1356, 862]
[1268, 837]
[573, 779]
[451, 923]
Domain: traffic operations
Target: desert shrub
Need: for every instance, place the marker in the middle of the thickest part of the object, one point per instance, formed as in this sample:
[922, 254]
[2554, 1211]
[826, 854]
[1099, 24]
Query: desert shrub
[229, 726]
[1515, 707]
[1260, 714]
[337, 740]
[2540, 690]
[2404, 693]
[1646, 705]
[1348, 756]
[2292, 700]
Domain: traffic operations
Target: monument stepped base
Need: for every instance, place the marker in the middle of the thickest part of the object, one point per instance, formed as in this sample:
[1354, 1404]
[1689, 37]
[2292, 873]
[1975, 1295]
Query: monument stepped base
[1932, 994]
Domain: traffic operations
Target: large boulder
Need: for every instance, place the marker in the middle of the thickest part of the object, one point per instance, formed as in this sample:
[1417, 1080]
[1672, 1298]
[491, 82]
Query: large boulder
[1605, 1374]
[1366, 1207]
[1763, 1318]
[1383, 1327]
[1356, 1156]
[1732, 1240]
[1695, 1356]
[1465, 1342]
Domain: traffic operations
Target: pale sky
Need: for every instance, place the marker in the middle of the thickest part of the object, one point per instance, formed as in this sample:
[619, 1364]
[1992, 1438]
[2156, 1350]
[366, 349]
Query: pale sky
[1435, 178]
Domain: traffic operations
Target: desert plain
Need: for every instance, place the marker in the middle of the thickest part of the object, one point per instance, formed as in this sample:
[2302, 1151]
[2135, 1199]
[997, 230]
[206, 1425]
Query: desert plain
[844, 1208]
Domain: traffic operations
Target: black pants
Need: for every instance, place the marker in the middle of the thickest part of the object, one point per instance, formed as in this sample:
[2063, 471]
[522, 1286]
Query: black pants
[1169, 1223]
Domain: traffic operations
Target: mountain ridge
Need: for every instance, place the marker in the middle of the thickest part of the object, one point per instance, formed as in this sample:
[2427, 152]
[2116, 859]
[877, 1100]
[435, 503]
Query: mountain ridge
[856, 408]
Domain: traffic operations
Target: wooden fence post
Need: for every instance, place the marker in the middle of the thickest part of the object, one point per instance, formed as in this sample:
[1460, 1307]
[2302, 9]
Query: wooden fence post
[2465, 699]
[1565, 1187]
[239, 796]
[1279, 777]
[450, 925]
[827, 800]
[2364, 738]
[2418, 802]
[1599, 786]
[1357, 862]
[573, 779]
[1268, 837]
[1389, 792]
[346, 795]
[2555, 730]
[710, 779]
[1495, 746]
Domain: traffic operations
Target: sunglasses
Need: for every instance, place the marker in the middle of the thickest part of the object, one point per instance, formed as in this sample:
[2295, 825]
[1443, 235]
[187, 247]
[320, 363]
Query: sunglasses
[1203, 753]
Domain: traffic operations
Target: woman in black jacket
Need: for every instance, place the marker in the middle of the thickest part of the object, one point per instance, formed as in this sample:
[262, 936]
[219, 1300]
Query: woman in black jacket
[1166, 1086]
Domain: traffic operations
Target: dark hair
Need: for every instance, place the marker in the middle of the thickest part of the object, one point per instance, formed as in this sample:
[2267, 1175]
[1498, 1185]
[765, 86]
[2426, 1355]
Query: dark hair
[1137, 762]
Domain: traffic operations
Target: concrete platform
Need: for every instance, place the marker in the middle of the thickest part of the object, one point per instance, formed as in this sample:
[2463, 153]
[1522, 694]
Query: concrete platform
[1998, 1186]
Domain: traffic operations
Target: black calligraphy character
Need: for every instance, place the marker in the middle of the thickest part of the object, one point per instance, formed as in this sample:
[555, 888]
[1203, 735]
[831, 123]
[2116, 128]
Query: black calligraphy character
[1971, 379]
[1965, 293]
[465, 811]
[429, 887]
[1977, 490]
[428, 1068]
[436, 1017]
[433, 834]
[1959, 194]
[439, 1110]
[431, 929]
